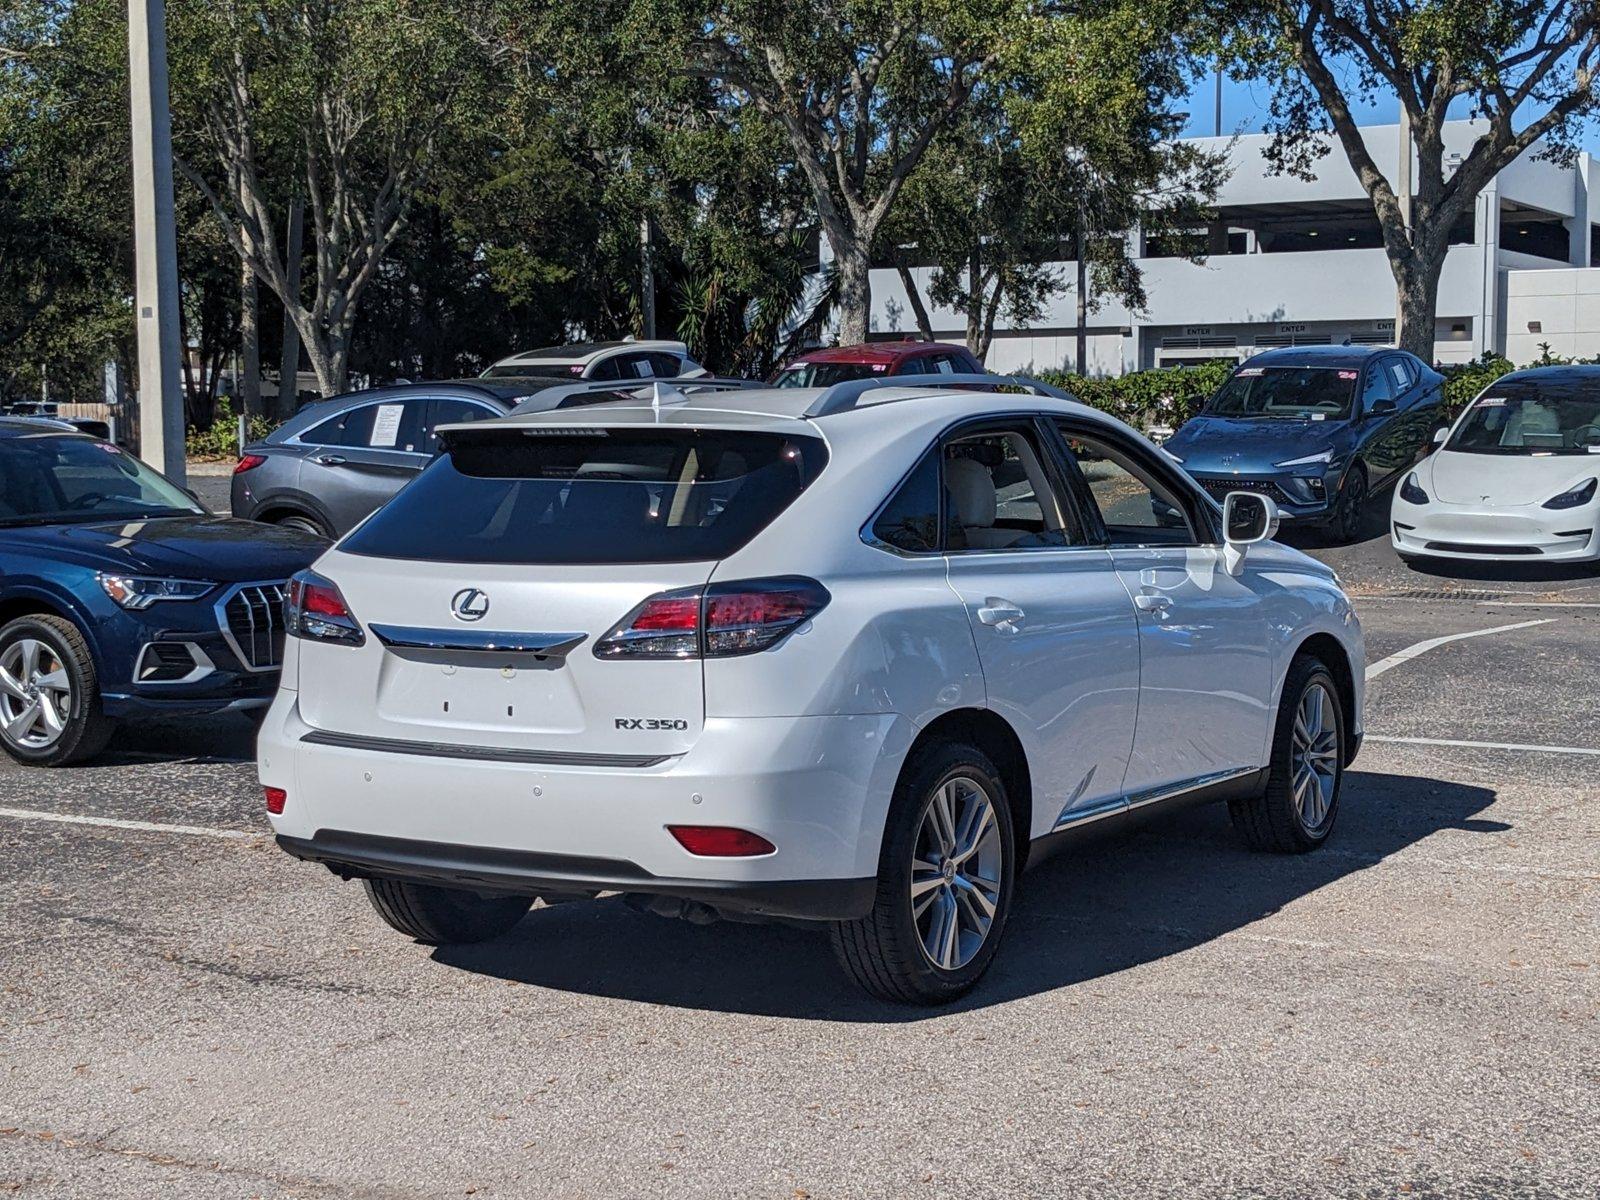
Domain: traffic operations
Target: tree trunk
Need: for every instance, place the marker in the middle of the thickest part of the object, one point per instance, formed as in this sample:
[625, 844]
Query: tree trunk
[975, 289]
[1417, 297]
[328, 363]
[854, 266]
[289, 361]
[914, 298]
[249, 380]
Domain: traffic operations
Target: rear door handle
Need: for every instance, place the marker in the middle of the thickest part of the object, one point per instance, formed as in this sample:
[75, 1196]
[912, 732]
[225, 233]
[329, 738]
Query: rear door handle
[1153, 602]
[331, 460]
[1002, 614]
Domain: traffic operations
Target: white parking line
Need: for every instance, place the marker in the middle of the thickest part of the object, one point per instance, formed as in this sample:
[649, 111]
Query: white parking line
[1420, 741]
[28, 814]
[1410, 652]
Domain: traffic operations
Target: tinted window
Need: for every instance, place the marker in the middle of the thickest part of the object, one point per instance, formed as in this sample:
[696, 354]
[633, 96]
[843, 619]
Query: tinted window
[1380, 386]
[1317, 393]
[387, 425]
[606, 369]
[617, 496]
[665, 365]
[1136, 507]
[452, 412]
[45, 480]
[1001, 497]
[910, 521]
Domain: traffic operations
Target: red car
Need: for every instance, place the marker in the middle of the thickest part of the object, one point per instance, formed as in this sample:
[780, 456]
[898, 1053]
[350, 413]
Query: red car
[823, 368]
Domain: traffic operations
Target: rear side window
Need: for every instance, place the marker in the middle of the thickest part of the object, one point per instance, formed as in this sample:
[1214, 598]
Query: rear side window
[396, 425]
[592, 496]
[910, 521]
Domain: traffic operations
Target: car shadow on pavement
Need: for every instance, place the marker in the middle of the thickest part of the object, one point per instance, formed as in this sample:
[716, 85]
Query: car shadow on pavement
[1089, 912]
[224, 737]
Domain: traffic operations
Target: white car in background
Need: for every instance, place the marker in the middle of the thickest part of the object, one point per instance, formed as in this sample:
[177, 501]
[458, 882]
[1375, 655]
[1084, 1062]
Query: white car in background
[1515, 478]
[853, 657]
[602, 361]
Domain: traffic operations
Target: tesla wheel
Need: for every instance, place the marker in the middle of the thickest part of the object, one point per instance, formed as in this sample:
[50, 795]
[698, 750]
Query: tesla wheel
[441, 916]
[49, 697]
[1350, 508]
[945, 880]
[1296, 811]
[304, 524]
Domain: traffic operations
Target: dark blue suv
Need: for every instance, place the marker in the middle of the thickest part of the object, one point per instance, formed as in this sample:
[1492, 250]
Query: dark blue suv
[1317, 428]
[120, 596]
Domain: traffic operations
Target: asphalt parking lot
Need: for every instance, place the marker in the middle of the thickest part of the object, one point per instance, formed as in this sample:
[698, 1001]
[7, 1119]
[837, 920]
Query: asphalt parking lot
[1414, 1010]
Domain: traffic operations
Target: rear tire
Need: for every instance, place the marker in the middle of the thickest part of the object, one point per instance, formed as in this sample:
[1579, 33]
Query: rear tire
[1297, 809]
[304, 524]
[442, 916]
[945, 881]
[50, 712]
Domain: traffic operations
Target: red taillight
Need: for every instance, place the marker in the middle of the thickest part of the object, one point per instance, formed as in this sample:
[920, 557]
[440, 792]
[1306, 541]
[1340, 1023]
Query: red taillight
[276, 799]
[315, 610]
[249, 462]
[721, 621]
[720, 841]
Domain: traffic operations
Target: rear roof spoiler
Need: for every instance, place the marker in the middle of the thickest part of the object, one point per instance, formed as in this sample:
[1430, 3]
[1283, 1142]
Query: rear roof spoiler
[842, 397]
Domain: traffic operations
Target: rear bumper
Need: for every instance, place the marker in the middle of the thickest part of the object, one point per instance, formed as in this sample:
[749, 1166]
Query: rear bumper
[817, 788]
[360, 856]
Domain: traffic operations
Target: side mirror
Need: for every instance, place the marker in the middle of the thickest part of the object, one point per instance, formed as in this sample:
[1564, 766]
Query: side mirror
[1382, 408]
[1439, 436]
[1247, 518]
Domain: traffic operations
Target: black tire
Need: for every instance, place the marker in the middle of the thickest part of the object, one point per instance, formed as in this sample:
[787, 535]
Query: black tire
[304, 524]
[441, 916]
[1276, 820]
[1350, 505]
[884, 951]
[85, 729]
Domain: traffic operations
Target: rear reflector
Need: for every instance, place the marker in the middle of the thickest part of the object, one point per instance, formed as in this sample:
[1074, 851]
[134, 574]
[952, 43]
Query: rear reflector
[276, 799]
[719, 841]
[249, 462]
[720, 621]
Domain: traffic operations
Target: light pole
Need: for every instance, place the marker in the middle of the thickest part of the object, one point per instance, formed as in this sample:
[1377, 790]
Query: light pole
[155, 243]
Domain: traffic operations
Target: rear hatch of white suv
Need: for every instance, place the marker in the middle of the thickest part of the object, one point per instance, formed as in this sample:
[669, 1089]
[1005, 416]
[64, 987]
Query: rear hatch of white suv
[543, 590]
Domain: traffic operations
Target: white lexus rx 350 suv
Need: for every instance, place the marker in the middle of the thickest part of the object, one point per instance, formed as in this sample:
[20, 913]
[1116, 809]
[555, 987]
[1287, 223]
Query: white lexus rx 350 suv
[851, 657]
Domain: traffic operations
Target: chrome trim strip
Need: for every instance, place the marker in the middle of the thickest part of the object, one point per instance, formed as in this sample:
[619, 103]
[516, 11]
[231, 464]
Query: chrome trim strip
[552, 758]
[221, 610]
[203, 665]
[1137, 800]
[540, 645]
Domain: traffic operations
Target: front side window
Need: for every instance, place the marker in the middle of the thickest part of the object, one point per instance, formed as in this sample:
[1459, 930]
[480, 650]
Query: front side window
[1380, 386]
[1136, 507]
[999, 496]
[1531, 420]
[1286, 393]
[57, 480]
[592, 496]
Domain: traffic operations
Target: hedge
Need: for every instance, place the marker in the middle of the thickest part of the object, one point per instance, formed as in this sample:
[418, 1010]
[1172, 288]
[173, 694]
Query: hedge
[222, 439]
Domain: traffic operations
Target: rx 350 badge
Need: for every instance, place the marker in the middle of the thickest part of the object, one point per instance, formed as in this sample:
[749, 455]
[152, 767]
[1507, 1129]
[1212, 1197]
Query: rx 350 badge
[642, 723]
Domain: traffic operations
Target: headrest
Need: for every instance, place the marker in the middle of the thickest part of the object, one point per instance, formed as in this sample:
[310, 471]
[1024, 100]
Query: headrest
[972, 489]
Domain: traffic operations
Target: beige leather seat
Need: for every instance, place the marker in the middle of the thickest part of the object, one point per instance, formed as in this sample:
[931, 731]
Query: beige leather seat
[972, 490]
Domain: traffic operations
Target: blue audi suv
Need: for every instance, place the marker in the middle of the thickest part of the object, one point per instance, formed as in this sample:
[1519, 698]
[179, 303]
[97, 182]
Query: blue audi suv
[122, 597]
[1317, 428]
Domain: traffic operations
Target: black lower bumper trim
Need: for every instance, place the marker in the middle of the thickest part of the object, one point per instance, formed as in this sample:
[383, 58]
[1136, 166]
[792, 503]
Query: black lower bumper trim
[525, 872]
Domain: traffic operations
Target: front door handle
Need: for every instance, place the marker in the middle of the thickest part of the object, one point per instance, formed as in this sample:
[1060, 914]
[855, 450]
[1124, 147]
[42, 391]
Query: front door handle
[1002, 614]
[331, 460]
[1153, 602]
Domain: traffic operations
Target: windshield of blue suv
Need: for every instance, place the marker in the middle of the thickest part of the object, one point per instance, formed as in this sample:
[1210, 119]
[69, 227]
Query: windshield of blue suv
[1531, 419]
[61, 479]
[570, 496]
[1289, 393]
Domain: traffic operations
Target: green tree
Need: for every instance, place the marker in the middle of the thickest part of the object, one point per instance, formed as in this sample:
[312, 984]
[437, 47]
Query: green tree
[1523, 68]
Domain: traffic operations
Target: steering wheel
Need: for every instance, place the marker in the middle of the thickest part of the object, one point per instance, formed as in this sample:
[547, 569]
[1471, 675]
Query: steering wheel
[1586, 435]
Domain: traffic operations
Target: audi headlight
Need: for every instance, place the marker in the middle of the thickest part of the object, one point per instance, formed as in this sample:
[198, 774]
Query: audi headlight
[138, 592]
[1310, 460]
[1573, 497]
[1411, 491]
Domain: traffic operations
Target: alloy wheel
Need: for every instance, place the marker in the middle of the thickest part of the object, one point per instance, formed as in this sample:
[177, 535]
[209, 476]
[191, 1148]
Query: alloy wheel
[1314, 757]
[956, 869]
[35, 694]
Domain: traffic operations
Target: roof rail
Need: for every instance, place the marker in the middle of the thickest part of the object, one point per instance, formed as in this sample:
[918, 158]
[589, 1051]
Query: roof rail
[842, 397]
[557, 396]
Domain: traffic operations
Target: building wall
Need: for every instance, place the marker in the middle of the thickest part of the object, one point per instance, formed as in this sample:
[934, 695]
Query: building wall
[1563, 304]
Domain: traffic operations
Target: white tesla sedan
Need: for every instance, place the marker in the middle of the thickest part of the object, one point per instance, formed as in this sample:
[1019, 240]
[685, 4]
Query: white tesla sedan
[1516, 477]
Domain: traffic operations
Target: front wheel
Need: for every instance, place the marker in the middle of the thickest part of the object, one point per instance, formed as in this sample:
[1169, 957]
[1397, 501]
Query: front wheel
[50, 711]
[444, 916]
[945, 879]
[1296, 811]
[1350, 506]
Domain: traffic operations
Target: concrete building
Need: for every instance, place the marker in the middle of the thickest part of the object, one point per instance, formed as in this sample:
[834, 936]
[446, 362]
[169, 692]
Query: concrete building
[1298, 262]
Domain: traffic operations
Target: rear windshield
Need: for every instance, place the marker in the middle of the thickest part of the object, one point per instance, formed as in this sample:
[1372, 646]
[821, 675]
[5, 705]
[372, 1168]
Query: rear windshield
[1531, 419]
[592, 496]
[1295, 393]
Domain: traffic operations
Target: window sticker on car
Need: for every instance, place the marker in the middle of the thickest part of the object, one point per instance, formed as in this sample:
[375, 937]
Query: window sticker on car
[1348, 374]
[1398, 370]
[1319, 416]
[877, 366]
[386, 425]
[1492, 402]
[1251, 371]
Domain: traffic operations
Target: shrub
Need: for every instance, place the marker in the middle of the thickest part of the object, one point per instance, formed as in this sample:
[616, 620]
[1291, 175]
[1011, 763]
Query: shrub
[1161, 396]
[1463, 381]
[222, 439]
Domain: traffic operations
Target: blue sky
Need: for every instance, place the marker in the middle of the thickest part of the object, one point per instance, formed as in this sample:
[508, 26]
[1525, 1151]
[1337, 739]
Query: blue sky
[1246, 103]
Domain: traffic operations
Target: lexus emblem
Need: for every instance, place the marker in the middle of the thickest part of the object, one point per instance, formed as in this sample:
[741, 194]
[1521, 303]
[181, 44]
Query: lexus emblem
[470, 604]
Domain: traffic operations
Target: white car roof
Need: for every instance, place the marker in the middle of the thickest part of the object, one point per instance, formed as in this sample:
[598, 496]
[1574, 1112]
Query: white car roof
[593, 353]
